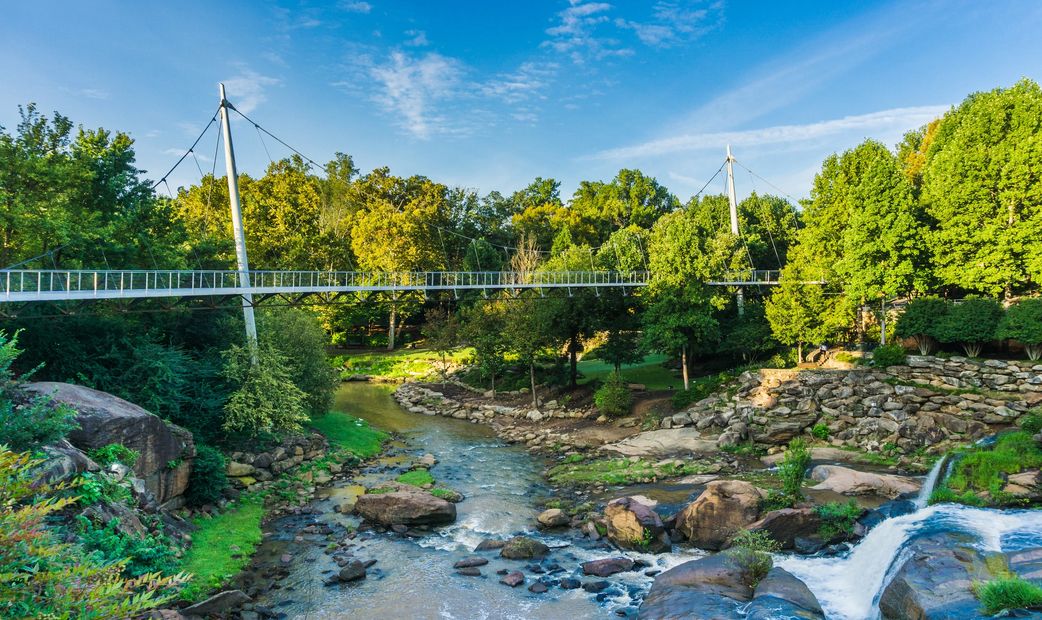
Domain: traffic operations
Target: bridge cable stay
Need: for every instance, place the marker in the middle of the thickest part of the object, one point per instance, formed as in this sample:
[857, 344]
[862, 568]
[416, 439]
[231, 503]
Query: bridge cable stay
[184, 155]
[770, 235]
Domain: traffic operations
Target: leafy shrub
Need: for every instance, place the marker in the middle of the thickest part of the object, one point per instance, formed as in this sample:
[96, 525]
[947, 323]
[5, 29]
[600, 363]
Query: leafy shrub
[114, 453]
[208, 478]
[299, 337]
[266, 399]
[1032, 422]
[889, 355]
[820, 430]
[700, 388]
[1023, 323]
[94, 488]
[971, 323]
[837, 519]
[751, 552]
[27, 422]
[152, 553]
[46, 578]
[793, 469]
[984, 470]
[613, 399]
[1007, 593]
[920, 321]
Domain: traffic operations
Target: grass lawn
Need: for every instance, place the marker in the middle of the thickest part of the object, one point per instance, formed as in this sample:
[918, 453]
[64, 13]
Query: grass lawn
[349, 433]
[403, 363]
[620, 471]
[649, 372]
[222, 547]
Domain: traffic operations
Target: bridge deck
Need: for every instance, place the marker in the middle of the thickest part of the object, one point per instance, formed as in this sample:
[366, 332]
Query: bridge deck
[73, 285]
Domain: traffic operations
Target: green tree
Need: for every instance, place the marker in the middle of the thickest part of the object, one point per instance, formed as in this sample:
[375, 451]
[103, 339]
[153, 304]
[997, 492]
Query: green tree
[441, 329]
[971, 323]
[747, 337]
[27, 422]
[266, 399]
[795, 312]
[1023, 323]
[920, 321]
[529, 334]
[299, 338]
[483, 329]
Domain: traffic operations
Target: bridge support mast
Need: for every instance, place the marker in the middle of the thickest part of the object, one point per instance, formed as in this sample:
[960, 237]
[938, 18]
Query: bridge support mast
[733, 200]
[237, 231]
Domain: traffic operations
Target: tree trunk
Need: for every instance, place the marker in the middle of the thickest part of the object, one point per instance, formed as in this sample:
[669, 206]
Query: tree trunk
[390, 329]
[683, 367]
[799, 353]
[531, 375]
[861, 327]
[573, 346]
[493, 386]
[1034, 351]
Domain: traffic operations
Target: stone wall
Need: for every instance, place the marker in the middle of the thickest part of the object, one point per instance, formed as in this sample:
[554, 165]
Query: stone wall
[908, 408]
[419, 399]
[251, 470]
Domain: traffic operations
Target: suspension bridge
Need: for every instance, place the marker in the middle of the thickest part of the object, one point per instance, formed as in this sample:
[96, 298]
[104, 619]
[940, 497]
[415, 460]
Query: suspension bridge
[27, 286]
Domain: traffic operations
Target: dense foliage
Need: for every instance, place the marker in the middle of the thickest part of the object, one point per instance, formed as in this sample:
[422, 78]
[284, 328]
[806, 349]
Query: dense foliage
[27, 422]
[208, 478]
[613, 399]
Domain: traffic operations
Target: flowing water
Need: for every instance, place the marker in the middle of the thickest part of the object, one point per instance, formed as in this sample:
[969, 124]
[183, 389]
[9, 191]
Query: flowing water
[414, 578]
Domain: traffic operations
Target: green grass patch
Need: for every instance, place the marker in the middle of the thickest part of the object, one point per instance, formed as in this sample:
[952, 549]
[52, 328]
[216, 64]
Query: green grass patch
[445, 494]
[650, 372]
[416, 478]
[1007, 593]
[403, 364]
[621, 471]
[979, 473]
[346, 432]
[222, 547]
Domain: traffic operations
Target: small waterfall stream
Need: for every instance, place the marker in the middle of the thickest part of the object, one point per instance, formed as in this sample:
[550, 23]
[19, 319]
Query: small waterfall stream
[930, 483]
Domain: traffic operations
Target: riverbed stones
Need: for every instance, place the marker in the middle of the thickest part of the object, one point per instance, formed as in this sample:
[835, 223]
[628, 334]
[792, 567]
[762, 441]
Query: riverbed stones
[606, 567]
[470, 562]
[405, 507]
[553, 517]
[782, 595]
[570, 583]
[490, 544]
[787, 525]
[723, 508]
[538, 588]
[633, 524]
[513, 579]
[848, 481]
[218, 604]
[352, 571]
[709, 588]
[935, 580]
[664, 444]
[469, 571]
[523, 548]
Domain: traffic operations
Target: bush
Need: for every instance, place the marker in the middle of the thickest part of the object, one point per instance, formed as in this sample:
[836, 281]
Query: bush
[152, 553]
[208, 478]
[1007, 593]
[27, 422]
[889, 355]
[751, 551]
[46, 578]
[837, 519]
[1032, 422]
[920, 321]
[299, 337]
[820, 430]
[94, 488]
[613, 399]
[114, 453]
[971, 323]
[266, 399]
[978, 476]
[1023, 323]
[793, 469]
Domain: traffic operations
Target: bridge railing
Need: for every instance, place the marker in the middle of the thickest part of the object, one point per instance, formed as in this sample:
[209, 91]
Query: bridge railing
[749, 277]
[42, 284]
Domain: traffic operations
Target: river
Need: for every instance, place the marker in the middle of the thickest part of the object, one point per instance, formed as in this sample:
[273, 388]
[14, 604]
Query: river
[413, 577]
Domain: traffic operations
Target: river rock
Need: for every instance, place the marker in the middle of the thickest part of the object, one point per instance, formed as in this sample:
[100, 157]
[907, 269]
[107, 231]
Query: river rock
[1026, 485]
[538, 588]
[664, 443]
[106, 419]
[523, 548]
[633, 524]
[935, 580]
[218, 604]
[781, 595]
[513, 579]
[352, 571]
[723, 508]
[469, 571]
[490, 544]
[889, 510]
[405, 507]
[570, 583]
[848, 481]
[470, 562]
[710, 588]
[606, 567]
[1027, 564]
[788, 524]
[554, 517]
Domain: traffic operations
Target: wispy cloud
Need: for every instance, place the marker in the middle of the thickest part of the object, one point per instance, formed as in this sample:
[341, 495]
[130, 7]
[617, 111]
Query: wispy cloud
[94, 93]
[356, 7]
[247, 90]
[672, 23]
[417, 38]
[411, 87]
[529, 81]
[910, 117]
[578, 33]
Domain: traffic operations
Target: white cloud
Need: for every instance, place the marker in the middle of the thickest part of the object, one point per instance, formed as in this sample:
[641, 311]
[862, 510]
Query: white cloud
[675, 22]
[411, 88]
[576, 33]
[529, 81]
[94, 93]
[418, 38]
[246, 90]
[356, 7]
[897, 118]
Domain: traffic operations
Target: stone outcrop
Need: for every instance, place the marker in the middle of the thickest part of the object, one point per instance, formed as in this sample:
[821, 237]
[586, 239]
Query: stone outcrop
[523, 548]
[166, 450]
[63, 462]
[664, 444]
[848, 481]
[405, 507]
[788, 525]
[249, 471]
[782, 595]
[553, 517]
[909, 407]
[723, 508]
[935, 580]
[634, 525]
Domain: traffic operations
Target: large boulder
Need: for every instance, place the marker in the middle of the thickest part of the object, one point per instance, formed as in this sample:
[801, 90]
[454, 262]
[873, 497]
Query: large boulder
[788, 524]
[634, 525]
[553, 517]
[935, 580]
[666, 443]
[523, 548]
[166, 450]
[782, 595]
[709, 588]
[405, 507]
[852, 482]
[723, 508]
[63, 462]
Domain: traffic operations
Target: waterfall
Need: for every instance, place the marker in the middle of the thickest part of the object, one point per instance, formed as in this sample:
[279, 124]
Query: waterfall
[930, 483]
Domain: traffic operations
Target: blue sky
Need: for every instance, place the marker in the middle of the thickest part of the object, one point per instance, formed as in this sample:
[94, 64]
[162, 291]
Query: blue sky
[489, 95]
